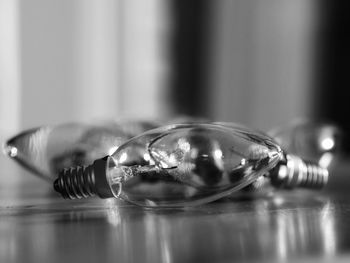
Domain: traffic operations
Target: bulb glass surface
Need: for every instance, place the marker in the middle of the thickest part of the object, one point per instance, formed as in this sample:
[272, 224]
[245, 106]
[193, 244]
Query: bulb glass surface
[190, 164]
[48, 149]
[313, 142]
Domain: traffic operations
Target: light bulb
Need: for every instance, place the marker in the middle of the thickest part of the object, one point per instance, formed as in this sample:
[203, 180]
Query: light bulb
[312, 141]
[187, 164]
[46, 150]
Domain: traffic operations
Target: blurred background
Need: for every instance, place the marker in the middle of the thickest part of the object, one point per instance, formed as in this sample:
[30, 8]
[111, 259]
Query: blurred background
[260, 63]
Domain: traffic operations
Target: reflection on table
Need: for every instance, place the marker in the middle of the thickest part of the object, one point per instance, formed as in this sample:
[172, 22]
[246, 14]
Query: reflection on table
[38, 226]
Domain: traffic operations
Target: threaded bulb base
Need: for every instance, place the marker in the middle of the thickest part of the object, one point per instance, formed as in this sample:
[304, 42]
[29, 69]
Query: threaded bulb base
[315, 177]
[297, 173]
[76, 183]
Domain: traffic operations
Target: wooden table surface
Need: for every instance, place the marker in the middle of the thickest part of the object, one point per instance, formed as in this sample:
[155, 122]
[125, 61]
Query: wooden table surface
[36, 225]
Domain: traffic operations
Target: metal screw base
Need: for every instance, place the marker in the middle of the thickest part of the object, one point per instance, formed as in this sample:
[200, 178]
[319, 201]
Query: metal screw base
[76, 183]
[296, 173]
[84, 181]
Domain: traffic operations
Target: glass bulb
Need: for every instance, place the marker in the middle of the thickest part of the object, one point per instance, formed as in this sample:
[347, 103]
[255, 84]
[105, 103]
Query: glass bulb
[46, 150]
[311, 141]
[176, 165]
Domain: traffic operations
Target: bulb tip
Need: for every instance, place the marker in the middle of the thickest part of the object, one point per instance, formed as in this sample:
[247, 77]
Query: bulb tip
[9, 150]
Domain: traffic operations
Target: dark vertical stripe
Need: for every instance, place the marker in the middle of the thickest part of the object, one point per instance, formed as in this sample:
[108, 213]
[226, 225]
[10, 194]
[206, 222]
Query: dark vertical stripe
[189, 54]
[333, 64]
